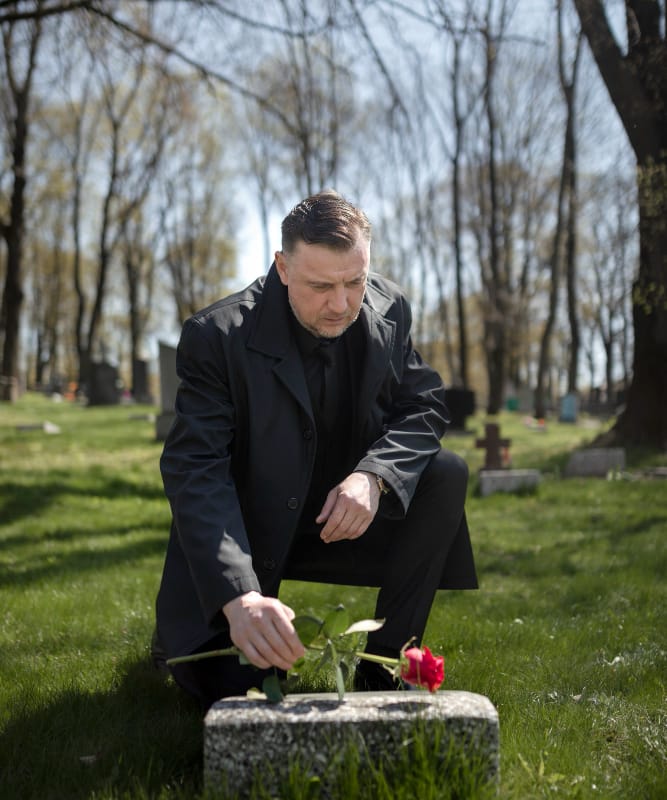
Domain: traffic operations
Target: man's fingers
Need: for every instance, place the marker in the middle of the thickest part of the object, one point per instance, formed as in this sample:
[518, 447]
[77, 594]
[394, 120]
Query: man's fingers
[352, 530]
[349, 508]
[262, 653]
[261, 628]
[283, 639]
[334, 521]
[345, 522]
[329, 505]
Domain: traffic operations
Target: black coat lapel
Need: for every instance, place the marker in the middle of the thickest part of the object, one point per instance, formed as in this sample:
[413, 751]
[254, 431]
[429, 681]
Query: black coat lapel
[379, 334]
[272, 336]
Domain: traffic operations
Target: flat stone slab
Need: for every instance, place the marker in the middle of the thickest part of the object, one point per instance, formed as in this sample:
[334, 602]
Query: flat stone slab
[596, 462]
[245, 738]
[507, 480]
[46, 427]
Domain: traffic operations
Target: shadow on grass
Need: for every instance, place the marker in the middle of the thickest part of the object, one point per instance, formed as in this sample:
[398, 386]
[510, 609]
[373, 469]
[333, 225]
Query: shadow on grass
[84, 560]
[641, 526]
[581, 571]
[23, 499]
[140, 738]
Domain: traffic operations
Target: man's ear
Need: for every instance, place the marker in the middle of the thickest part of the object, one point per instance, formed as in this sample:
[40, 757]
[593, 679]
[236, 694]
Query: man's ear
[281, 266]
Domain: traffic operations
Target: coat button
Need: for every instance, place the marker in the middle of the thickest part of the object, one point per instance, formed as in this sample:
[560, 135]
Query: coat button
[292, 504]
[269, 563]
[308, 433]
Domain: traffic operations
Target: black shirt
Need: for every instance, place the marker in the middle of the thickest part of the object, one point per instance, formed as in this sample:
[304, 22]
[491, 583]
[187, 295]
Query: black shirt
[331, 367]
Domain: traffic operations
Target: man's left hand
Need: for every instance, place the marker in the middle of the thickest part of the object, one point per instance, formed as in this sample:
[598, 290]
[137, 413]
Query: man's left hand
[350, 507]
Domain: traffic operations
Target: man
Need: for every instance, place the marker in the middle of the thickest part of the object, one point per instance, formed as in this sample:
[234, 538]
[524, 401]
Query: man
[306, 445]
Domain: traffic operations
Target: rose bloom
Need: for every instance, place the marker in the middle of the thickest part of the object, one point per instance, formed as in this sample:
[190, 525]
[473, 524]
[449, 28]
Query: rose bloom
[422, 668]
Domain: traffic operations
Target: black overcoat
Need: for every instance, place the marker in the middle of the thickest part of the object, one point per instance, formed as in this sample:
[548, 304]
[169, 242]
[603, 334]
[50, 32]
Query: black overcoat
[238, 460]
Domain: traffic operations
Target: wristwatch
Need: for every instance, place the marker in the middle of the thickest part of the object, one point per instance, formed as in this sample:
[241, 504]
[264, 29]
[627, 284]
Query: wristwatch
[382, 486]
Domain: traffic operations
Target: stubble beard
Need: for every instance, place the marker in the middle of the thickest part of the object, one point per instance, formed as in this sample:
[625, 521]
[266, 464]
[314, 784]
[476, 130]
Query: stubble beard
[321, 334]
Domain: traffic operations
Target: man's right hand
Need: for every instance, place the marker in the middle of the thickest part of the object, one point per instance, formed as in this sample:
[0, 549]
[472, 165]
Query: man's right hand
[261, 627]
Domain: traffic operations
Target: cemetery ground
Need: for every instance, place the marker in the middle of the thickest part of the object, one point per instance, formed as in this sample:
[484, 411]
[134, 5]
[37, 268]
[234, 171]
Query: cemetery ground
[567, 635]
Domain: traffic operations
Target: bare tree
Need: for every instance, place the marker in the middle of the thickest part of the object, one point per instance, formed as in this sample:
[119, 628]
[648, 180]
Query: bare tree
[306, 78]
[490, 222]
[136, 105]
[137, 251]
[17, 60]
[611, 257]
[196, 217]
[637, 84]
[462, 105]
[48, 266]
[563, 238]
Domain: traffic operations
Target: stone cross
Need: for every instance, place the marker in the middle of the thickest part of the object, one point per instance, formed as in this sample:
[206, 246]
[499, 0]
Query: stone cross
[493, 444]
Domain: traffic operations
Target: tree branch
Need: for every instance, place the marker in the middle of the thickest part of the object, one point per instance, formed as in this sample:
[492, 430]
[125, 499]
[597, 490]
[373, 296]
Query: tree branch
[395, 94]
[206, 72]
[621, 78]
[9, 12]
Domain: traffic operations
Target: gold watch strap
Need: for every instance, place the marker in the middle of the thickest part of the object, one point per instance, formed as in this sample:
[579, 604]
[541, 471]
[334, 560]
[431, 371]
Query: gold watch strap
[382, 486]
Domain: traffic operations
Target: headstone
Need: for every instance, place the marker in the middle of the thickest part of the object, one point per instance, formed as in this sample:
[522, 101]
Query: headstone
[493, 445]
[140, 391]
[508, 480]
[568, 408]
[142, 417]
[46, 427]
[168, 388]
[596, 462]
[461, 404]
[105, 385]
[526, 399]
[518, 397]
[244, 738]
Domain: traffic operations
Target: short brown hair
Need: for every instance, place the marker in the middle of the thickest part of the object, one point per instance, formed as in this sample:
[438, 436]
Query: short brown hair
[325, 218]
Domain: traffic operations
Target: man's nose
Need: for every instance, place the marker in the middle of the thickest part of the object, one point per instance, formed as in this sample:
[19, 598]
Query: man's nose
[338, 299]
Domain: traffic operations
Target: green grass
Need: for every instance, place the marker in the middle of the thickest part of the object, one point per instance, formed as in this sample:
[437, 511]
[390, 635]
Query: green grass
[567, 635]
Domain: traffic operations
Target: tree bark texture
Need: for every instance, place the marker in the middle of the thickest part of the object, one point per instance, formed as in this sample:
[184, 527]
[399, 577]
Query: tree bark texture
[637, 83]
[13, 227]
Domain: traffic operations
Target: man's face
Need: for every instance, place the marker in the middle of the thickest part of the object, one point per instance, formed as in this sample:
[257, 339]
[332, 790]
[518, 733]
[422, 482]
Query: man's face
[325, 287]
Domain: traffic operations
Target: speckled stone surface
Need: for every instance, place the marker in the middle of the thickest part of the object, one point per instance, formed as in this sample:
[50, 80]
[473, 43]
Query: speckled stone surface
[244, 738]
[507, 480]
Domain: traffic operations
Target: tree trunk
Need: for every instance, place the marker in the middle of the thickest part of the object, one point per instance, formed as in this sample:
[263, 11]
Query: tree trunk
[571, 279]
[13, 228]
[637, 84]
[494, 325]
[564, 226]
[459, 122]
[644, 420]
[13, 294]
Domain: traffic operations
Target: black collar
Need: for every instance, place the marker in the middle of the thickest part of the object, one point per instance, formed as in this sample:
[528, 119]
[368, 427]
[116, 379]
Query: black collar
[308, 343]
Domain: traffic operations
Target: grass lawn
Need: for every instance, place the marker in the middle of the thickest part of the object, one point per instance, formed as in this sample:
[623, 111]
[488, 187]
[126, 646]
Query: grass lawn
[567, 635]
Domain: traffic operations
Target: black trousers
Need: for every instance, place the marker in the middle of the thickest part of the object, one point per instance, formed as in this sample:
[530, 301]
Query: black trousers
[406, 558]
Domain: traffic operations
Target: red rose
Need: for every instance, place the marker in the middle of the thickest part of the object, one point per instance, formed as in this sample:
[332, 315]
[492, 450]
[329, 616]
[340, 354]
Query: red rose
[422, 668]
